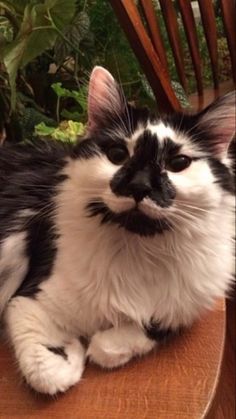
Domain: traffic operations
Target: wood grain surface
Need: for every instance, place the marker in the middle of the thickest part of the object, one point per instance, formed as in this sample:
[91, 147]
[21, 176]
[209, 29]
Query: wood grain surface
[154, 30]
[177, 381]
[210, 29]
[228, 10]
[209, 95]
[129, 17]
[192, 38]
[170, 18]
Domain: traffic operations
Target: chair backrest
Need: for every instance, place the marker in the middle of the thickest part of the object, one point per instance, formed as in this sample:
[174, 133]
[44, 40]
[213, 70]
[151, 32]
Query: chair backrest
[140, 23]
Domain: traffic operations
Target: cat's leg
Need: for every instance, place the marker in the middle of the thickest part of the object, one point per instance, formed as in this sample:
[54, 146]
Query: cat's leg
[116, 346]
[50, 360]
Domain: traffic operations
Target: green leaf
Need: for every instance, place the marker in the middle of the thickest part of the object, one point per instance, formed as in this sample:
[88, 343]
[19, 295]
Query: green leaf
[59, 90]
[78, 95]
[74, 116]
[75, 129]
[61, 11]
[18, 5]
[37, 33]
[43, 130]
[75, 33]
[67, 131]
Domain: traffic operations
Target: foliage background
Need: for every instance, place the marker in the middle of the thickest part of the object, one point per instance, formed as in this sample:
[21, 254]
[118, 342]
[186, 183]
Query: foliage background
[47, 50]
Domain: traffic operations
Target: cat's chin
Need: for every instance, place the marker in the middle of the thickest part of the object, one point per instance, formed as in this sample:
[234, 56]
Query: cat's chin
[134, 220]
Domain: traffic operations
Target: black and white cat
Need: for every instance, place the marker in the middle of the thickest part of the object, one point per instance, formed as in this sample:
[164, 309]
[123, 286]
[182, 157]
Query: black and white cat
[121, 239]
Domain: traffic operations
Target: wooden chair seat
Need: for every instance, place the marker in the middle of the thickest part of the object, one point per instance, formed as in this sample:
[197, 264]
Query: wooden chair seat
[200, 102]
[179, 380]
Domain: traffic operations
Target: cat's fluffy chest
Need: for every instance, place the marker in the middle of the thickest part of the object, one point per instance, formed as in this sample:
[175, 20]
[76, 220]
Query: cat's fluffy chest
[102, 277]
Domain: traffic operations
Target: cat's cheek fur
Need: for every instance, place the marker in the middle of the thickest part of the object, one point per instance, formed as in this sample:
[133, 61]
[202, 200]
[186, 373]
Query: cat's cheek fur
[50, 360]
[197, 178]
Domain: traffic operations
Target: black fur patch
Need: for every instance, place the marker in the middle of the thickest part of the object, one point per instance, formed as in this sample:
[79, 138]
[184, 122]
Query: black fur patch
[224, 178]
[143, 173]
[150, 150]
[204, 139]
[29, 178]
[58, 350]
[155, 332]
[133, 221]
[41, 251]
[85, 149]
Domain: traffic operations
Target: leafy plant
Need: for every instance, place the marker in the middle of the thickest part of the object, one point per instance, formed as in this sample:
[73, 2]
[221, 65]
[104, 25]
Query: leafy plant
[79, 97]
[74, 33]
[40, 23]
[48, 48]
[67, 131]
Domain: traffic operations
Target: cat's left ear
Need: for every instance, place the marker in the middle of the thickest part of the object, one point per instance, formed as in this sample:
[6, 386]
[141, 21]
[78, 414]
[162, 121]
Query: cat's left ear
[217, 124]
[105, 100]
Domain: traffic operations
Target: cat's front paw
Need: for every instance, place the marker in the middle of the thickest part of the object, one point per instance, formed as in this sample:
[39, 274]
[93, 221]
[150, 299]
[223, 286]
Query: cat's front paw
[106, 352]
[52, 369]
[116, 346]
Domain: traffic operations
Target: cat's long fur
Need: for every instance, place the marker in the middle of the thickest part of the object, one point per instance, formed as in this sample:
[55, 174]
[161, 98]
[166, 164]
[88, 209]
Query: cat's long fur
[75, 260]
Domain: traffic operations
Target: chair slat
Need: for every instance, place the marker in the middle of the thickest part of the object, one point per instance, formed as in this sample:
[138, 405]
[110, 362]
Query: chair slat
[170, 18]
[191, 34]
[128, 16]
[229, 18]
[209, 26]
[154, 31]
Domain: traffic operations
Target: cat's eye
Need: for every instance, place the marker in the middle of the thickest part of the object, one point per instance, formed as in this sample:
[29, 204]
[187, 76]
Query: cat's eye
[179, 163]
[117, 154]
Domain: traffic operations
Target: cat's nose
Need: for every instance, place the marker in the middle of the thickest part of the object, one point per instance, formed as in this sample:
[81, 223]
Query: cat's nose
[139, 186]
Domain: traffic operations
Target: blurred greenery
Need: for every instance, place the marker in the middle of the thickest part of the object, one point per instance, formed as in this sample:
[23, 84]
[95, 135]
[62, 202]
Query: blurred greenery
[48, 49]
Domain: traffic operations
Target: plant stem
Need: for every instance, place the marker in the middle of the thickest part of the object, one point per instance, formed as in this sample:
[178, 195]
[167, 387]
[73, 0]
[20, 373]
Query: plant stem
[40, 28]
[58, 109]
[76, 70]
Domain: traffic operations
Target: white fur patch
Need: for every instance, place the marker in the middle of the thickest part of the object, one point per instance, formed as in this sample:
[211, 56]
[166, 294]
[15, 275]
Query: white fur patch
[32, 332]
[162, 131]
[13, 266]
[116, 346]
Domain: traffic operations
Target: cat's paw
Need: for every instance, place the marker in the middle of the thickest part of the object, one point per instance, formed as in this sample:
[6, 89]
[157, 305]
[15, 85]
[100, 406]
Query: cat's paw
[115, 347]
[52, 369]
[106, 352]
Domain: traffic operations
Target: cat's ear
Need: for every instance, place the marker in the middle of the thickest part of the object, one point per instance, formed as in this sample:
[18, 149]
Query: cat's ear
[217, 124]
[105, 99]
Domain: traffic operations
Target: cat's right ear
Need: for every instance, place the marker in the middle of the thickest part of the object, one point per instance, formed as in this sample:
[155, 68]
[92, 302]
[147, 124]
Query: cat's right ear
[216, 125]
[105, 100]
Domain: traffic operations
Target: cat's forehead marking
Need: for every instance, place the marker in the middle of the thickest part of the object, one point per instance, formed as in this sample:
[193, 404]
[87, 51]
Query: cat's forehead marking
[162, 131]
[131, 141]
[159, 130]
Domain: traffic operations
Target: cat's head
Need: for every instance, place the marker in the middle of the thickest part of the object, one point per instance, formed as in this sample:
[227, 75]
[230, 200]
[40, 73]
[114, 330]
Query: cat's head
[148, 174]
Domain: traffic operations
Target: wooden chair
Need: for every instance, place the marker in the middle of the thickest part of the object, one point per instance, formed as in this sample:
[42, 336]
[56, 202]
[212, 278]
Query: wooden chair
[139, 21]
[179, 380]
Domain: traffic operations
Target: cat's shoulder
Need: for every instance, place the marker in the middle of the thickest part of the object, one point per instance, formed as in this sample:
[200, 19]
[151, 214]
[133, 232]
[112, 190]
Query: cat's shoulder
[41, 150]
